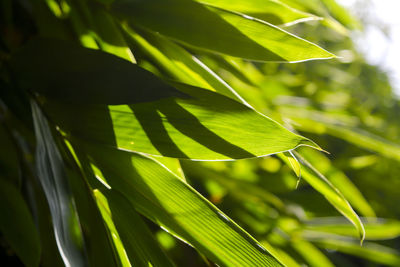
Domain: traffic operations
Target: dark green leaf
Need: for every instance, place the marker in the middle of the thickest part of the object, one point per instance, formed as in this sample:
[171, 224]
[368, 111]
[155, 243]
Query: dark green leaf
[72, 73]
[17, 226]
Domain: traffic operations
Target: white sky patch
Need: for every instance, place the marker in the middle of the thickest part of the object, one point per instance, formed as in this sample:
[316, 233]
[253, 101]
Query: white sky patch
[379, 47]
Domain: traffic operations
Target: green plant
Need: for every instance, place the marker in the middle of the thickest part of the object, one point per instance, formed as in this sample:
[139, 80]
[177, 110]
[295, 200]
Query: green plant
[107, 107]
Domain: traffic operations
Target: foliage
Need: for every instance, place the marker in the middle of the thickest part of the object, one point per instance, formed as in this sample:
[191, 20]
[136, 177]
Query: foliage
[129, 126]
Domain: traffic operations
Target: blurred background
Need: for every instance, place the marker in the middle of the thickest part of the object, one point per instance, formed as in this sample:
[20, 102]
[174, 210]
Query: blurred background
[380, 35]
[350, 107]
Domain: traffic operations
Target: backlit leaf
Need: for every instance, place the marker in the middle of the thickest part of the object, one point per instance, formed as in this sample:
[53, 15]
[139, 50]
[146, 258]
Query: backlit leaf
[170, 202]
[253, 39]
[203, 126]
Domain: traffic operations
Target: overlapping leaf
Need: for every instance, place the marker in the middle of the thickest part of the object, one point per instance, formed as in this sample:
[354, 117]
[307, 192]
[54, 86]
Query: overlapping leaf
[125, 223]
[375, 229]
[178, 63]
[206, 126]
[163, 197]
[323, 186]
[272, 11]
[231, 34]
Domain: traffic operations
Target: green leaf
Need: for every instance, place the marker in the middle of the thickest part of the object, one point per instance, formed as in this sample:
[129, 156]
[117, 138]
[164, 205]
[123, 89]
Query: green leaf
[370, 251]
[375, 228]
[253, 39]
[17, 226]
[284, 257]
[342, 14]
[356, 136]
[272, 11]
[331, 193]
[53, 178]
[206, 126]
[179, 64]
[311, 254]
[112, 40]
[294, 164]
[242, 190]
[108, 220]
[98, 245]
[72, 73]
[340, 181]
[163, 197]
[126, 225]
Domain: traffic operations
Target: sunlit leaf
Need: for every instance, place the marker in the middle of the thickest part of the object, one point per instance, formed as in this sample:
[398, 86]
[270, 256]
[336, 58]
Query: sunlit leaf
[294, 163]
[375, 228]
[357, 137]
[158, 194]
[180, 64]
[331, 193]
[253, 39]
[313, 256]
[371, 251]
[271, 11]
[130, 231]
[111, 36]
[205, 126]
[341, 182]
[98, 245]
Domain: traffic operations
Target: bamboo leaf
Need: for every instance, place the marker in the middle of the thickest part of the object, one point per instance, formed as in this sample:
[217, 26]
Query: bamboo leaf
[294, 164]
[98, 244]
[341, 182]
[375, 228]
[53, 178]
[124, 222]
[285, 258]
[272, 11]
[313, 256]
[254, 39]
[108, 220]
[353, 135]
[170, 202]
[331, 193]
[112, 40]
[178, 63]
[87, 75]
[205, 126]
[370, 251]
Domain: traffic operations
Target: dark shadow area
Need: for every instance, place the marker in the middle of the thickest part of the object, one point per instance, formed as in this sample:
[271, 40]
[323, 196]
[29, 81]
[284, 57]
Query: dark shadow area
[87, 75]
[187, 124]
[8, 258]
[190, 126]
[152, 124]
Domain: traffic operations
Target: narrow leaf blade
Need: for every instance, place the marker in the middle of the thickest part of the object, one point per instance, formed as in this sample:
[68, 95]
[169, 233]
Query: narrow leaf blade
[163, 197]
[254, 39]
